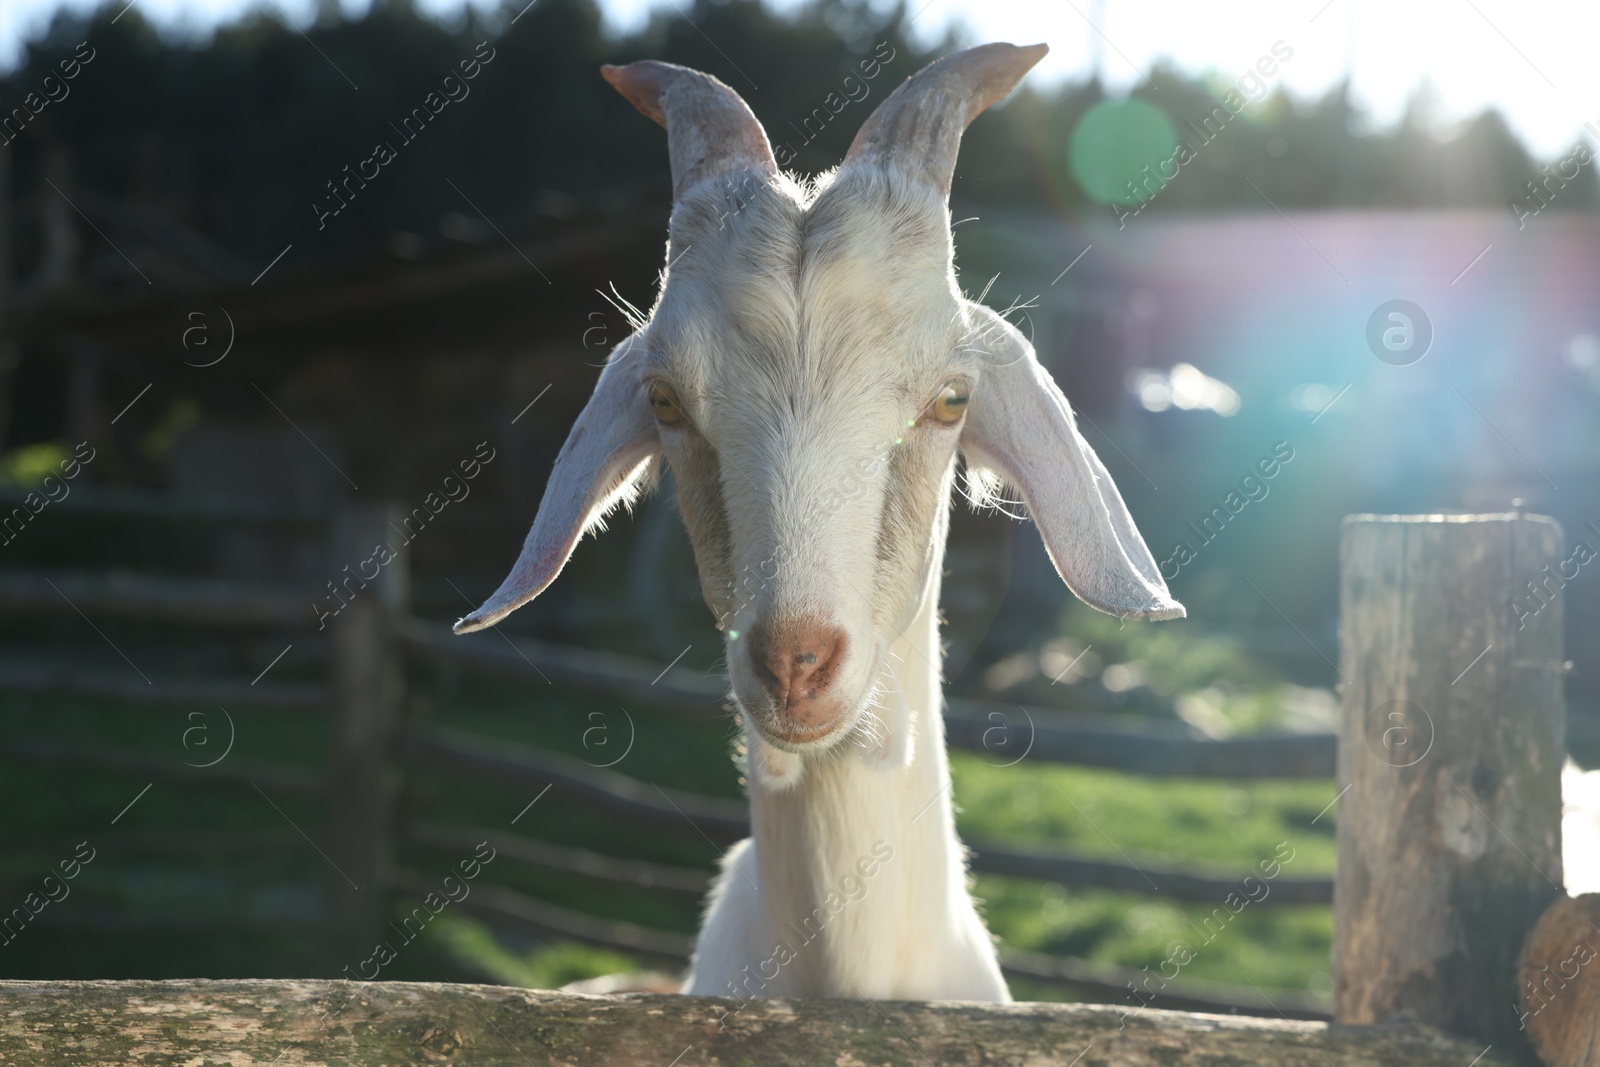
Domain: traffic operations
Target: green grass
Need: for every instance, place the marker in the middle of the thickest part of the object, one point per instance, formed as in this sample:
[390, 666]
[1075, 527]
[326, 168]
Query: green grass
[1225, 827]
[542, 967]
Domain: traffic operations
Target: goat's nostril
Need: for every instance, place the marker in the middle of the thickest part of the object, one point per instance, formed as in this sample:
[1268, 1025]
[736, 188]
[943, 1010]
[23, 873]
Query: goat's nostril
[773, 683]
[796, 663]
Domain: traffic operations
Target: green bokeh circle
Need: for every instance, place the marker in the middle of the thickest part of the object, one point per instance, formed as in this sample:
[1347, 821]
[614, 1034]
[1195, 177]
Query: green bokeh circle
[1113, 142]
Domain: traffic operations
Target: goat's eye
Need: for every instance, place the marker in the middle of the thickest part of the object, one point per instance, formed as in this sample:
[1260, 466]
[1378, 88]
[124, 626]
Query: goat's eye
[950, 404]
[665, 403]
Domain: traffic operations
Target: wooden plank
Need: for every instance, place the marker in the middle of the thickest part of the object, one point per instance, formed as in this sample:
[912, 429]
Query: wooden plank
[275, 780]
[150, 598]
[1002, 732]
[1107, 981]
[541, 663]
[105, 923]
[183, 844]
[578, 861]
[1107, 741]
[723, 821]
[1147, 879]
[297, 1023]
[118, 502]
[1449, 830]
[508, 908]
[64, 679]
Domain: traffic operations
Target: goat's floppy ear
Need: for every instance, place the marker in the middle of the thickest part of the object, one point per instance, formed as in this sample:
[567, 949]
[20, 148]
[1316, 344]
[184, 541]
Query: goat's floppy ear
[598, 468]
[1020, 427]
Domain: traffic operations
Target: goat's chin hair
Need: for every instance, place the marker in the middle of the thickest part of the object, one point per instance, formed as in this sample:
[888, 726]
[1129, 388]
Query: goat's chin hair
[883, 726]
[771, 768]
[880, 734]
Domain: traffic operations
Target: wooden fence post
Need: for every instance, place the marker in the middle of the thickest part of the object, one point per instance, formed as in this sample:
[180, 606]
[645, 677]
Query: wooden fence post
[1449, 835]
[369, 690]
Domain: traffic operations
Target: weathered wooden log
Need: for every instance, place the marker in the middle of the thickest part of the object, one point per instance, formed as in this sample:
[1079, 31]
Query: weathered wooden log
[1560, 983]
[1449, 826]
[397, 1024]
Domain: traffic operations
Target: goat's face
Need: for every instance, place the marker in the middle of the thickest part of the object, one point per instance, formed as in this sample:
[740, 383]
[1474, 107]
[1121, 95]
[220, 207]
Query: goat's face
[807, 373]
[808, 367]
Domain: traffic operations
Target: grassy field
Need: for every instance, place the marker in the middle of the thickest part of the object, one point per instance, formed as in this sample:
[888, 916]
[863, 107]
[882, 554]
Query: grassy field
[223, 882]
[1227, 828]
[1216, 826]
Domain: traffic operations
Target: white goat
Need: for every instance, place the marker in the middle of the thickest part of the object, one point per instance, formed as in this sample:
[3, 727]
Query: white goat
[810, 370]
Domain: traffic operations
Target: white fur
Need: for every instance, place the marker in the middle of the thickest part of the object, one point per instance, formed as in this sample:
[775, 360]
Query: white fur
[910, 932]
[806, 330]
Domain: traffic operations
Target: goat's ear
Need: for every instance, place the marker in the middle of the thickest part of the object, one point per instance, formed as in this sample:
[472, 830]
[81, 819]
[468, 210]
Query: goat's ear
[599, 467]
[1020, 427]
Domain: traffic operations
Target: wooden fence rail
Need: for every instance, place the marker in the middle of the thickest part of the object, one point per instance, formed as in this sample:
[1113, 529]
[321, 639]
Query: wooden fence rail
[1048, 735]
[62, 679]
[692, 881]
[723, 821]
[378, 1024]
[276, 778]
[151, 598]
[1147, 879]
[726, 821]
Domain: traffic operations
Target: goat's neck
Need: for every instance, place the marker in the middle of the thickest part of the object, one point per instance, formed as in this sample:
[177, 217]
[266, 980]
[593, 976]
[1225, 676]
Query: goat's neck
[829, 833]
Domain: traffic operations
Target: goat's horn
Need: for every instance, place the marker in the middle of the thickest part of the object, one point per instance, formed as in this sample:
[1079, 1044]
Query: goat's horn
[710, 129]
[919, 126]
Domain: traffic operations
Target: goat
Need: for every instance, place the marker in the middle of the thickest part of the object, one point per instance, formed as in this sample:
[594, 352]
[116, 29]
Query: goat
[810, 371]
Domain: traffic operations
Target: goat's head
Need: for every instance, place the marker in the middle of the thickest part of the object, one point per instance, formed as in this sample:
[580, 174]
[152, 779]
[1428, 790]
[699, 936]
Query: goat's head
[810, 371]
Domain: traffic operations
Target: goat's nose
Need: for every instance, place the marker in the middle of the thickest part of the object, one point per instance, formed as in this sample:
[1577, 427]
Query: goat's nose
[797, 662]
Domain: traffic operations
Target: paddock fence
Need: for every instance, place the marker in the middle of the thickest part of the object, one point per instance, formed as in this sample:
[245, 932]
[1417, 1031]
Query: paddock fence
[374, 648]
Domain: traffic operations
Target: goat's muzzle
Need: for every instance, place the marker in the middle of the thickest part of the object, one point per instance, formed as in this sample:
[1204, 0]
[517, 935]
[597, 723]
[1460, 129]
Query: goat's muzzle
[798, 662]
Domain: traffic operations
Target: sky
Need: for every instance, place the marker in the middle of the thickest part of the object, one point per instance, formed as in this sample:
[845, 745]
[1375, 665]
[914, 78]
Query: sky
[1532, 59]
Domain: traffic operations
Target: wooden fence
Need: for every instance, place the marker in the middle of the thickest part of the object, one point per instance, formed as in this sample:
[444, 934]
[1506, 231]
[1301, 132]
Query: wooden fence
[1395, 644]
